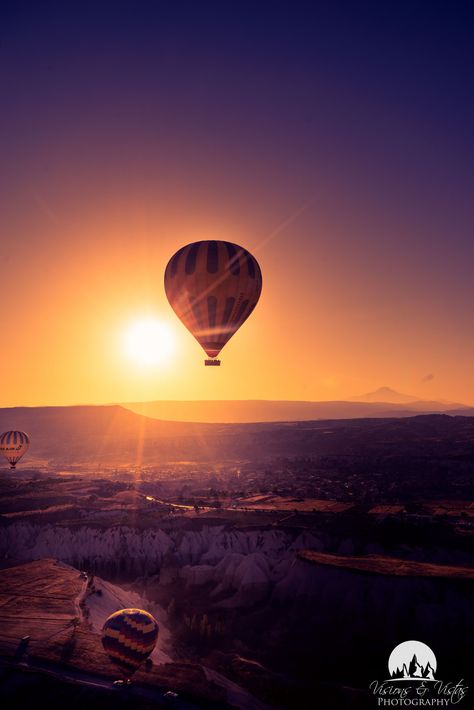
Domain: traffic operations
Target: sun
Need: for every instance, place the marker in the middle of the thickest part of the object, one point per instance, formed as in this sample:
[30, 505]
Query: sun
[148, 342]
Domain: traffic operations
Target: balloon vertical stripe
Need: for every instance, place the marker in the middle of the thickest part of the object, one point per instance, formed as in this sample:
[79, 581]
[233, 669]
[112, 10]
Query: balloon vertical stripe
[229, 305]
[234, 266]
[212, 258]
[240, 313]
[191, 259]
[251, 267]
[211, 310]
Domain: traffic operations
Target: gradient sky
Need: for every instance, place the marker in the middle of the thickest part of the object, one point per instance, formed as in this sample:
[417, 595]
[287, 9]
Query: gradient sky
[332, 139]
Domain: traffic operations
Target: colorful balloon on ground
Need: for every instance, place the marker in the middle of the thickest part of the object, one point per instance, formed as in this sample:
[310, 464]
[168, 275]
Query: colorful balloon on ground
[213, 287]
[14, 445]
[128, 637]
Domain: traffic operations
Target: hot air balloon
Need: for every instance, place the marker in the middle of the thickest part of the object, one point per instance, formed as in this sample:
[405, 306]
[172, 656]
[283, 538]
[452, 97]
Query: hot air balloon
[213, 287]
[13, 445]
[128, 637]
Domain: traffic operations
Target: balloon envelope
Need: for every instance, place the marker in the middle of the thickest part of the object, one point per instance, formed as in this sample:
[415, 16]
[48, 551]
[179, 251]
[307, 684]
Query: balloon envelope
[213, 287]
[128, 637]
[13, 445]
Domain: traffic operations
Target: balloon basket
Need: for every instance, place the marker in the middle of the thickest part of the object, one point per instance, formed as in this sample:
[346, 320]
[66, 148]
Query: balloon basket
[212, 363]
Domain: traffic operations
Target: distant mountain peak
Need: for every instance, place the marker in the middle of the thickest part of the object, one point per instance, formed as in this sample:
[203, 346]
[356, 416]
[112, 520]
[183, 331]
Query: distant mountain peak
[385, 394]
[389, 390]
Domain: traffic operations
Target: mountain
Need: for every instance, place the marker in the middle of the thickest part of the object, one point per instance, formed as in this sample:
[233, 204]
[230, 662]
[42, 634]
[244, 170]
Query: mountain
[240, 411]
[385, 394]
[391, 396]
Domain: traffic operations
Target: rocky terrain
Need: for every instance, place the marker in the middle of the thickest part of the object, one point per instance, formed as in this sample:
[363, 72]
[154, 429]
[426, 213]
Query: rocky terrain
[260, 591]
[289, 575]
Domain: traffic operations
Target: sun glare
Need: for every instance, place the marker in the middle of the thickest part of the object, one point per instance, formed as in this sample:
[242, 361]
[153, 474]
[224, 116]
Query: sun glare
[148, 342]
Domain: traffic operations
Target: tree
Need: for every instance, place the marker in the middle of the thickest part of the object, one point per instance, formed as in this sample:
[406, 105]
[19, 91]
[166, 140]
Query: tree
[204, 625]
[219, 626]
[171, 608]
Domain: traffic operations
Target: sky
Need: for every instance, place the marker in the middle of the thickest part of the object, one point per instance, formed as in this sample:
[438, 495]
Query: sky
[332, 139]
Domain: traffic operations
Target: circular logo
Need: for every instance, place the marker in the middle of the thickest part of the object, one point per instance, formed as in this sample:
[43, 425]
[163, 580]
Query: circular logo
[413, 660]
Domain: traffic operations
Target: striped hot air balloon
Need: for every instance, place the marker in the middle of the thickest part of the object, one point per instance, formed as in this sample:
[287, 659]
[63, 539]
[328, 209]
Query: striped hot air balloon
[128, 637]
[213, 287]
[13, 445]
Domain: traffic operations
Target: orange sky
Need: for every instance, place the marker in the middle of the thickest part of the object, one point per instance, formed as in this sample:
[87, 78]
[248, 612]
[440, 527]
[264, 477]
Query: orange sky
[125, 135]
[326, 327]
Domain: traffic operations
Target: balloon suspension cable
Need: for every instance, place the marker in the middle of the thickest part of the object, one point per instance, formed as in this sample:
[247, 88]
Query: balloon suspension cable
[212, 363]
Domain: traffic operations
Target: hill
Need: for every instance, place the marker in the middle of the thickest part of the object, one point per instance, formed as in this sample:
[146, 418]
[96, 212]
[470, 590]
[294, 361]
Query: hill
[91, 433]
[383, 564]
[381, 404]
[112, 435]
[386, 394]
